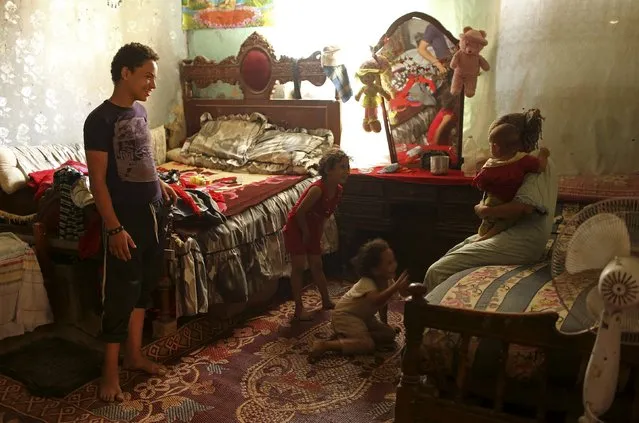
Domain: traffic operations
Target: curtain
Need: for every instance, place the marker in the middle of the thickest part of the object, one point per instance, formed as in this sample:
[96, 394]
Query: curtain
[55, 58]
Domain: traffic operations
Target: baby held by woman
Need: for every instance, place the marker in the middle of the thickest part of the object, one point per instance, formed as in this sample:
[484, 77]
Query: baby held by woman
[503, 174]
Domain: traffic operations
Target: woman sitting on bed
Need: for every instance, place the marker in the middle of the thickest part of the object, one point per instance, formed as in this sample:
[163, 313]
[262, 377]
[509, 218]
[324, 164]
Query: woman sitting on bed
[534, 206]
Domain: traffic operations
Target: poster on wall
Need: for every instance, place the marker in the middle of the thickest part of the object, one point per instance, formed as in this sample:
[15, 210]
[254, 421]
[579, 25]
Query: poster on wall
[226, 14]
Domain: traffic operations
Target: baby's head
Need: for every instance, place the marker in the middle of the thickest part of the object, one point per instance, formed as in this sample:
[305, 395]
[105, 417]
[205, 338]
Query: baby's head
[334, 166]
[505, 141]
[527, 123]
[375, 260]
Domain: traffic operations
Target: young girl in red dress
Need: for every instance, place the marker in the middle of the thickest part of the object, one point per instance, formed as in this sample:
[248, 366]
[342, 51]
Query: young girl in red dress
[441, 128]
[502, 175]
[305, 227]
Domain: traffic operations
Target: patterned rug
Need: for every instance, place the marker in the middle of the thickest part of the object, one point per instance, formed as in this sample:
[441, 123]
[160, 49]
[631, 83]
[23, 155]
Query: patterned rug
[259, 373]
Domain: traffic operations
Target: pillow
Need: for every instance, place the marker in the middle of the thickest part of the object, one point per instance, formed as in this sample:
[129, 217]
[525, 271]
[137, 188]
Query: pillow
[227, 137]
[158, 140]
[11, 178]
[289, 147]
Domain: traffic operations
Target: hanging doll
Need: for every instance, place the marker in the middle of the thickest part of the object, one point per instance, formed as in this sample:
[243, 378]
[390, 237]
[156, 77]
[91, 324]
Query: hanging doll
[370, 75]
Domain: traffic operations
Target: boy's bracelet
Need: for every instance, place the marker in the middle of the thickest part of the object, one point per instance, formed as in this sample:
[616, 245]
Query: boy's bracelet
[111, 232]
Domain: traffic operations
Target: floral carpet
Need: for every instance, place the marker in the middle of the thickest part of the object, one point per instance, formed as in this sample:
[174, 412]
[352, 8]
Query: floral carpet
[259, 373]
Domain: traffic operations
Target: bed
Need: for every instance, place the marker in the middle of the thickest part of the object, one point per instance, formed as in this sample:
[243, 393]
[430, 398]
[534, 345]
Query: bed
[227, 267]
[485, 346]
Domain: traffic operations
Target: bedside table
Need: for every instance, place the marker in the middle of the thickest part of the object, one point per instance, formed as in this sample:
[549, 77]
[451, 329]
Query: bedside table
[421, 215]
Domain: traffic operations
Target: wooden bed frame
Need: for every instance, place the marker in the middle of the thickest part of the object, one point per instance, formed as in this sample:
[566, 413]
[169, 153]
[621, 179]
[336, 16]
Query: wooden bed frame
[200, 73]
[420, 400]
[310, 114]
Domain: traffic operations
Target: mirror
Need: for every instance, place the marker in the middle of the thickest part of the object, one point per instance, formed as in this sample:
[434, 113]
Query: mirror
[422, 111]
[256, 70]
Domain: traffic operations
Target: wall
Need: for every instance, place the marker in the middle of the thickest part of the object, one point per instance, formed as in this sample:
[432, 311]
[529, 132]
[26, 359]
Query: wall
[577, 61]
[55, 58]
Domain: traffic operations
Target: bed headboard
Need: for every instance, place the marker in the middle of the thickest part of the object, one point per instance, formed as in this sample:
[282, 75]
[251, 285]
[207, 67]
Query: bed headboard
[256, 70]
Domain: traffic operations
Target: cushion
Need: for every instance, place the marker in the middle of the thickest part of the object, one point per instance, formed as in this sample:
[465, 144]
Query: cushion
[17, 162]
[11, 178]
[158, 140]
[227, 137]
[256, 69]
[289, 150]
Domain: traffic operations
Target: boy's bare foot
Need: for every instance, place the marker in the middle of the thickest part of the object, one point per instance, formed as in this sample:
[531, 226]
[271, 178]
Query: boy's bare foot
[109, 389]
[144, 364]
[328, 305]
[302, 316]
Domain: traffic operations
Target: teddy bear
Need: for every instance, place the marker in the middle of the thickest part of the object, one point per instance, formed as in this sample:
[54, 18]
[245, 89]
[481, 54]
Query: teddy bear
[466, 61]
[372, 91]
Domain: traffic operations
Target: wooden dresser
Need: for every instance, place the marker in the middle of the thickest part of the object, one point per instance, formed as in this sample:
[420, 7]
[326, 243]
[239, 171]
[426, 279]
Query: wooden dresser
[422, 216]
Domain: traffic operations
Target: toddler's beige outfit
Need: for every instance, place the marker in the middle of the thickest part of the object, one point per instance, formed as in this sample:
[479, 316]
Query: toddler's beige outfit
[355, 323]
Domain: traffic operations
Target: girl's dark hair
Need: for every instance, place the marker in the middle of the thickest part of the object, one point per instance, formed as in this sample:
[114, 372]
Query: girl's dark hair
[329, 160]
[527, 123]
[369, 256]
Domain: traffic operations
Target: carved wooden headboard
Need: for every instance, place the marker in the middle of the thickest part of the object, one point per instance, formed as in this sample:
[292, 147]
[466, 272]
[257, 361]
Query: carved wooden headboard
[256, 69]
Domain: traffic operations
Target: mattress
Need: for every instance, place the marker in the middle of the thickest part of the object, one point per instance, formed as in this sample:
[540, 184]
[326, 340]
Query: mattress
[231, 262]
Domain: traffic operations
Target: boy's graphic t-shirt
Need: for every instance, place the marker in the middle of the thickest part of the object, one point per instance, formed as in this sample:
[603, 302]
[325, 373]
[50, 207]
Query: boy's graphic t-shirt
[123, 132]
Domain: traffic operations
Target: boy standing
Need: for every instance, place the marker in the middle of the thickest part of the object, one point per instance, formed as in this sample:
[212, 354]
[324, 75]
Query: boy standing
[128, 195]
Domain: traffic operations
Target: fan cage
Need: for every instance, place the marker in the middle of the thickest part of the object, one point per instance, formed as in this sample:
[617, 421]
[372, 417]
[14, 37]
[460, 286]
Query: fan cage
[626, 208]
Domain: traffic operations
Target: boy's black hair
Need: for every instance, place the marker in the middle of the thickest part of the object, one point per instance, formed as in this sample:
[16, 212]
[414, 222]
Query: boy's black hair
[131, 56]
[369, 257]
[329, 160]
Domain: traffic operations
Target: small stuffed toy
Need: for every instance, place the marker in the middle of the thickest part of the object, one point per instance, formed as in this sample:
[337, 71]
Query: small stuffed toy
[467, 61]
[370, 75]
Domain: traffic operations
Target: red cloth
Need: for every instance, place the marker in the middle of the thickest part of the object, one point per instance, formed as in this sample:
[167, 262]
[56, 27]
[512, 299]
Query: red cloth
[315, 218]
[504, 181]
[420, 176]
[216, 196]
[436, 123]
[402, 156]
[179, 191]
[89, 244]
[42, 180]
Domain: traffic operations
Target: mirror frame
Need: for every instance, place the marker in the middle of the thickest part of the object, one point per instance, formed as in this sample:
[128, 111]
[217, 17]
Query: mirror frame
[458, 143]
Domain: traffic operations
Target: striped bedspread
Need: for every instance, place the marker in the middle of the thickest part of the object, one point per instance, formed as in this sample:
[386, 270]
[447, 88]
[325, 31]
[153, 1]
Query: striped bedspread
[24, 304]
[515, 289]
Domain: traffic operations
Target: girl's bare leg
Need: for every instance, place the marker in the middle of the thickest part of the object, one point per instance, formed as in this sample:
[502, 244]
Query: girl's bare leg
[297, 274]
[317, 271]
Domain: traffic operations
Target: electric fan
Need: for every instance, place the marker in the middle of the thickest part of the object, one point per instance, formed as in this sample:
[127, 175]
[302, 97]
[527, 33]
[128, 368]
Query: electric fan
[597, 252]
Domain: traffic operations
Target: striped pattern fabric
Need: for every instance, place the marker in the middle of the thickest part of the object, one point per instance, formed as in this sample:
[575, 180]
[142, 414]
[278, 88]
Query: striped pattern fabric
[24, 304]
[517, 289]
[71, 225]
[48, 156]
